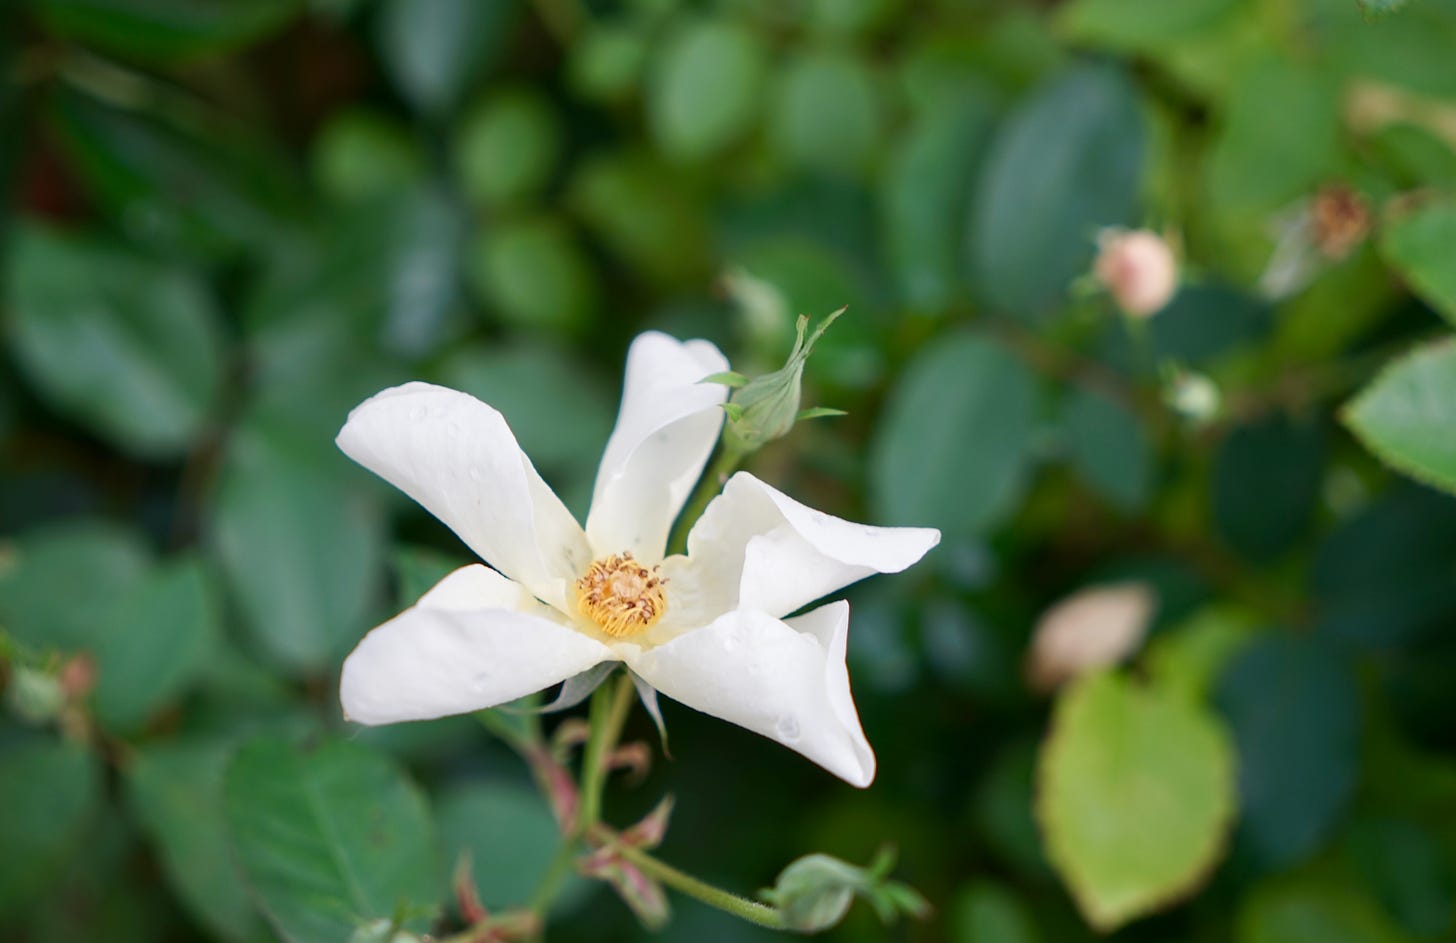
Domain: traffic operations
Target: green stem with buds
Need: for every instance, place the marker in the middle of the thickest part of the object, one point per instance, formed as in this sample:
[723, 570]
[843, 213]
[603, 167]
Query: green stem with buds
[752, 911]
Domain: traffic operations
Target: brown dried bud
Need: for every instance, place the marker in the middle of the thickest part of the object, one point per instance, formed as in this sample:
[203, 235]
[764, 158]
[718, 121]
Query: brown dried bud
[1341, 219]
[1090, 629]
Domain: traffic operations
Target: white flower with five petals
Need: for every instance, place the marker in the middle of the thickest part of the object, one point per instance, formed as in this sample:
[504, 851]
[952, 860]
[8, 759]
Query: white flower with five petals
[711, 629]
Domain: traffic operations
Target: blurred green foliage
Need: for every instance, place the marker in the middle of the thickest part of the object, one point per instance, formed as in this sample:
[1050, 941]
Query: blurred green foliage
[231, 220]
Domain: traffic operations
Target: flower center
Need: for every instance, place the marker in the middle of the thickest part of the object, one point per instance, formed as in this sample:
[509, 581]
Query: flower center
[620, 595]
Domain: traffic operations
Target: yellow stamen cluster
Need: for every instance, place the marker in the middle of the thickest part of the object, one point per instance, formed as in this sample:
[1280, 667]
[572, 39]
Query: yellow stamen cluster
[620, 595]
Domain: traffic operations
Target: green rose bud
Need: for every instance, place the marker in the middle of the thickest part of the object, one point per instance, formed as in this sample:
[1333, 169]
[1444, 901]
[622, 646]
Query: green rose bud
[766, 407]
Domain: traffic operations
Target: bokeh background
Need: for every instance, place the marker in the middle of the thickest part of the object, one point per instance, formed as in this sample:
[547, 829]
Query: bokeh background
[228, 221]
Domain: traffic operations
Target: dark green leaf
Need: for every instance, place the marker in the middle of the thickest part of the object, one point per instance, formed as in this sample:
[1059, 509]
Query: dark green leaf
[166, 30]
[1266, 485]
[925, 196]
[952, 445]
[1307, 908]
[828, 115]
[330, 838]
[1065, 163]
[1381, 7]
[1109, 448]
[301, 546]
[434, 49]
[175, 790]
[188, 182]
[1295, 714]
[59, 585]
[362, 154]
[987, 912]
[1408, 415]
[1135, 26]
[155, 645]
[49, 791]
[129, 346]
[1411, 873]
[510, 838]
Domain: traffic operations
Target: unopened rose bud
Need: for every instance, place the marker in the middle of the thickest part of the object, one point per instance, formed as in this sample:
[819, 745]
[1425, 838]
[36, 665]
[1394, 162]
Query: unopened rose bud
[78, 676]
[1090, 629]
[1192, 395]
[765, 408]
[1139, 270]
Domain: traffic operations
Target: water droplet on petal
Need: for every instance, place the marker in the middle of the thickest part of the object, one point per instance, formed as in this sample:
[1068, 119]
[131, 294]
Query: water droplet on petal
[730, 643]
[418, 413]
[481, 680]
[787, 728]
[453, 429]
[476, 473]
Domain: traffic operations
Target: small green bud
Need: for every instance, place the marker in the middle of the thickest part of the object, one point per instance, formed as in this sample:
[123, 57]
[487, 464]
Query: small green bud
[815, 892]
[766, 407]
[382, 930]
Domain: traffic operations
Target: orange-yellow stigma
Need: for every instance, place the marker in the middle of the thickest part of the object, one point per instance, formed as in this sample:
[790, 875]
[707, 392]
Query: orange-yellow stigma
[620, 595]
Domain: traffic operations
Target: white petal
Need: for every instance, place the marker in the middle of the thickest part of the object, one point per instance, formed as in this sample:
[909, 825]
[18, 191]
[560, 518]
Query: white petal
[785, 680]
[757, 548]
[446, 656]
[456, 456]
[665, 431]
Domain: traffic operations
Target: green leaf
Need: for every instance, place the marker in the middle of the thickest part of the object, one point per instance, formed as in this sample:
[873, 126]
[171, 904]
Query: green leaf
[385, 272]
[175, 792]
[1188, 659]
[1135, 797]
[49, 791]
[1407, 416]
[510, 837]
[1109, 448]
[1266, 485]
[59, 584]
[534, 274]
[1410, 872]
[362, 154]
[189, 182]
[988, 912]
[155, 644]
[508, 146]
[1307, 908]
[434, 49]
[418, 569]
[129, 346]
[1295, 713]
[1133, 26]
[330, 838]
[828, 114]
[166, 30]
[704, 89]
[301, 546]
[1066, 162]
[952, 445]
[1418, 247]
[926, 194]
[645, 214]
[1381, 7]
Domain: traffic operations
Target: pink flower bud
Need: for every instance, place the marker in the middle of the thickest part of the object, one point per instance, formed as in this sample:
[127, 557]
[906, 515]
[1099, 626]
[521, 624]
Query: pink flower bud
[1091, 629]
[1138, 268]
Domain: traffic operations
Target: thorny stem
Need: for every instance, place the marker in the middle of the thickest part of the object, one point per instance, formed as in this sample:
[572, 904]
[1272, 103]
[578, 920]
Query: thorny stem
[709, 485]
[752, 911]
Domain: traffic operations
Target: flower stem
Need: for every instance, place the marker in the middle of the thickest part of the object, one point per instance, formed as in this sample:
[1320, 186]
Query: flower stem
[742, 907]
[724, 464]
[556, 874]
[609, 708]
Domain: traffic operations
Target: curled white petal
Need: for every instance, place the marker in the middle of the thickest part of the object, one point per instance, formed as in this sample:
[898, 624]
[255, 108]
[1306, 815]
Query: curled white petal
[457, 457]
[757, 548]
[784, 680]
[666, 428]
[462, 648]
